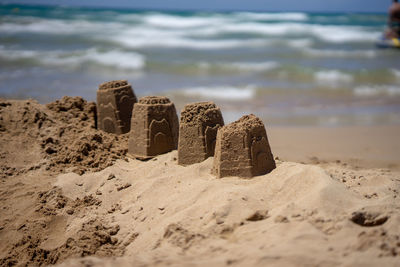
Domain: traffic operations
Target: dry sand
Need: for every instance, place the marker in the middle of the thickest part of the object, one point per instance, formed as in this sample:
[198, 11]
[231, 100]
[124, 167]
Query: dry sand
[69, 196]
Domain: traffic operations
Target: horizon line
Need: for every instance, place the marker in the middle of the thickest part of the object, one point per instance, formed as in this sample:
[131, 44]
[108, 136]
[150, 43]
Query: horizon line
[186, 10]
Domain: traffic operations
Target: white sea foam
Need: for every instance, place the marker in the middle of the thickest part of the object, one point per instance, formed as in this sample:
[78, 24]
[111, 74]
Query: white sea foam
[273, 16]
[341, 53]
[17, 54]
[222, 92]
[259, 28]
[113, 58]
[58, 27]
[177, 31]
[328, 33]
[332, 77]
[169, 21]
[35, 26]
[253, 66]
[340, 34]
[242, 66]
[396, 73]
[368, 91]
[176, 41]
[201, 26]
[144, 37]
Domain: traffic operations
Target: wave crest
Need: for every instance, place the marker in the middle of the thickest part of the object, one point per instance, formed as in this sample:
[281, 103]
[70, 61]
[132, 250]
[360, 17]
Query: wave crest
[222, 92]
[369, 91]
[73, 59]
[332, 77]
[295, 16]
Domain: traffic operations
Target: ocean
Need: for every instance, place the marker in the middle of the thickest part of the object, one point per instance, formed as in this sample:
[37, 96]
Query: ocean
[289, 68]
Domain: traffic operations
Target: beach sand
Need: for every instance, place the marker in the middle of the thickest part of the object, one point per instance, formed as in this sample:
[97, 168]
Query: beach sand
[70, 196]
[360, 146]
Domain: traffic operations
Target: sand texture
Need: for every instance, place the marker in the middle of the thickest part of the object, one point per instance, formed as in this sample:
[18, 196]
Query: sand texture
[70, 196]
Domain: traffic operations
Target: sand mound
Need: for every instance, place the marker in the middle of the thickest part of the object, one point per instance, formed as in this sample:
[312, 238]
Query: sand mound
[59, 136]
[169, 214]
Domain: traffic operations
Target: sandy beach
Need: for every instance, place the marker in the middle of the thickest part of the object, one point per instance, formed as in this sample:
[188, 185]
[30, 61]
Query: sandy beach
[70, 196]
[359, 146]
[228, 134]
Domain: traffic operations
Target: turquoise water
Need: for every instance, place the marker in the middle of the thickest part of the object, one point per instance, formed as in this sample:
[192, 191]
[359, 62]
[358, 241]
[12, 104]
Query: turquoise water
[289, 68]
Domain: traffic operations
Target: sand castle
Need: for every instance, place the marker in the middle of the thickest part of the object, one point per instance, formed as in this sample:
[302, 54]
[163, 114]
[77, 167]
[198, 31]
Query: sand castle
[198, 131]
[115, 100]
[239, 149]
[242, 149]
[154, 127]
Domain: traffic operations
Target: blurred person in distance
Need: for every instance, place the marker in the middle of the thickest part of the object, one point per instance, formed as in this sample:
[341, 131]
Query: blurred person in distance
[394, 21]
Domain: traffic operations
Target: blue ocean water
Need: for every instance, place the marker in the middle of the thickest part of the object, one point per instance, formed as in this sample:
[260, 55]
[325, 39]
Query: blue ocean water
[289, 68]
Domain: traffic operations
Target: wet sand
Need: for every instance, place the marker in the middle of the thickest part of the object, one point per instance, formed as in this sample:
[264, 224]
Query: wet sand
[362, 146]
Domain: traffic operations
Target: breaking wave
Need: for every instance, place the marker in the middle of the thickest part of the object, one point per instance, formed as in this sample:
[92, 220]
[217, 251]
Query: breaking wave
[332, 77]
[149, 29]
[113, 58]
[273, 16]
[367, 91]
[222, 92]
[341, 53]
[242, 66]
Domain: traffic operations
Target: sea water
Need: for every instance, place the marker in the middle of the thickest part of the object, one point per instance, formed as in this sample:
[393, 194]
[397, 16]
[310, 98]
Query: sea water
[289, 68]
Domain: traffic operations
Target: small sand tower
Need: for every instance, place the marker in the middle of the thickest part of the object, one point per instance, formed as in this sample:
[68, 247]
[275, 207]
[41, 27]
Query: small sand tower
[154, 127]
[115, 101]
[242, 149]
[198, 131]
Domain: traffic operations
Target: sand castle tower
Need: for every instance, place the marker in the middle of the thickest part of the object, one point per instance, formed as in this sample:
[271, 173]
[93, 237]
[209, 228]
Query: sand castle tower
[115, 101]
[198, 131]
[154, 127]
[242, 149]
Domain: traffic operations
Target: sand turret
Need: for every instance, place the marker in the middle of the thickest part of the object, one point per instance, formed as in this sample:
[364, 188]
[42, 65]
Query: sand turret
[154, 127]
[115, 100]
[242, 149]
[198, 131]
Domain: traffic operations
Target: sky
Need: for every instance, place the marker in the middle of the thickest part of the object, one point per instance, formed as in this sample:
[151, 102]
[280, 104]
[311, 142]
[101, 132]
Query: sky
[227, 5]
